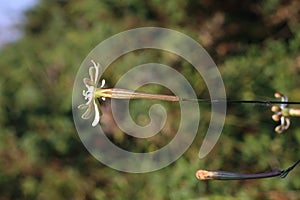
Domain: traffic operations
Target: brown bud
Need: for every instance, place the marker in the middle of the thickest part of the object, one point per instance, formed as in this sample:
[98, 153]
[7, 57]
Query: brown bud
[275, 109]
[279, 129]
[278, 95]
[276, 117]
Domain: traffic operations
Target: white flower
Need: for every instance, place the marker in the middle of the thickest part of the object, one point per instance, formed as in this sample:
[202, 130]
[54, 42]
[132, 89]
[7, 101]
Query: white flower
[89, 94]
[281, 113]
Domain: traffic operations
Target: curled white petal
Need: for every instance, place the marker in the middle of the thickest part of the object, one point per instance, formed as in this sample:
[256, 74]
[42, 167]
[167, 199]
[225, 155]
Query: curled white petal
[82, 106]
[284, 99]
[286, 124]
[97, 115]
[96, 67]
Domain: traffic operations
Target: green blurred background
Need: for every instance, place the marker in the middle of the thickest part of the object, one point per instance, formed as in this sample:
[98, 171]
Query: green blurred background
[256, 45]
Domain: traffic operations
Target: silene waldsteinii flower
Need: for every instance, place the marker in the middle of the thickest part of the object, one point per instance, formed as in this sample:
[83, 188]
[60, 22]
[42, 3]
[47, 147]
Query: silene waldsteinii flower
[92, 103]
[93, 93]
[281, 113]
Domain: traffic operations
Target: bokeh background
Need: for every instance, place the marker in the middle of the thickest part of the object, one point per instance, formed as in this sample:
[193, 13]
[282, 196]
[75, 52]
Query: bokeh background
[256, 45]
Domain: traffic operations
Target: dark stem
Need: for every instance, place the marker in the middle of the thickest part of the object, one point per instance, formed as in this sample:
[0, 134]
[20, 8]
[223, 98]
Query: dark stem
[229, 101]
[225, 175]
[285, 172]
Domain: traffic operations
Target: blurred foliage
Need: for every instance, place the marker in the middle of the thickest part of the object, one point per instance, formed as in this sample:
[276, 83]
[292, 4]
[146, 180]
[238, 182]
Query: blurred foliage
[256, 46]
